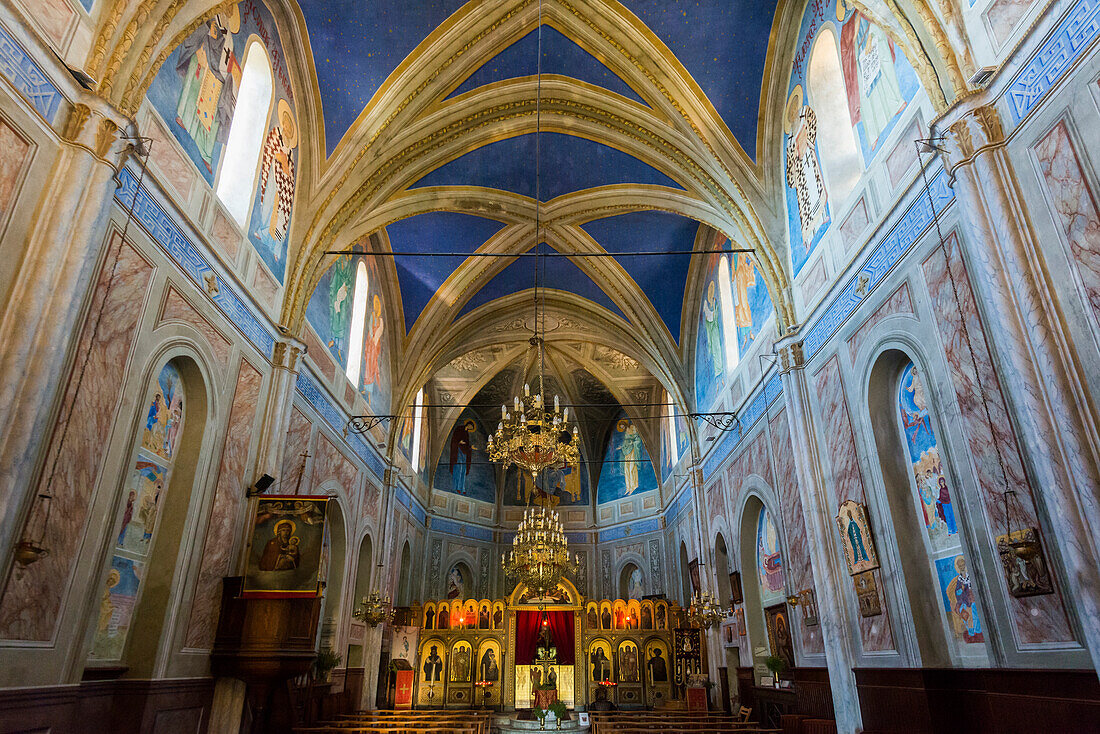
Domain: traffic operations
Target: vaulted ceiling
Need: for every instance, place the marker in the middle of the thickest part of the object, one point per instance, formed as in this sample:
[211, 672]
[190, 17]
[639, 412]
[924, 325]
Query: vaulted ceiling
[649, 126]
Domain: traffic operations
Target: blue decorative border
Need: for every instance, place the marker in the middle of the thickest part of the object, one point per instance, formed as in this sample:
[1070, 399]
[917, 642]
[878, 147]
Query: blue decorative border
[678, 505]
[1074, 34]
[629, 530]
[475, 532]
[164, 230]
[902, 237]
[410, 503]
[337, 420]
[19, 69]
[756, 408]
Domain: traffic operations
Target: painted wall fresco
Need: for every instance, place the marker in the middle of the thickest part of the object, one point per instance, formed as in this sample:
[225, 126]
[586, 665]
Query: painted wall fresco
[553, 488]
[142, 498]
[330, 312]
[959, 601]
[937, 509]
[670, 453]
[195, 92]
[735, 306]
[769, 560]
[627, 469]
[877, 83]
[464, 467]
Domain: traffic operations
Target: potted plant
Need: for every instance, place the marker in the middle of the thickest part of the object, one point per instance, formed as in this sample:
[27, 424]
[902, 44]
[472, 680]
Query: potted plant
[540, 714]
[777, 666]
[558, 708]
[324, 663]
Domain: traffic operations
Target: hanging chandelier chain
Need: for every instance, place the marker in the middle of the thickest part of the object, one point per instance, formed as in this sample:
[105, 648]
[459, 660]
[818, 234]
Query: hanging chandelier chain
[930, 143]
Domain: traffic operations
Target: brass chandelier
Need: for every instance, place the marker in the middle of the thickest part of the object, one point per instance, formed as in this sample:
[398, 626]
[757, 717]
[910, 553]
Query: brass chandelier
[704, 610]
[536, 438]
[540, 553]
[533, 437]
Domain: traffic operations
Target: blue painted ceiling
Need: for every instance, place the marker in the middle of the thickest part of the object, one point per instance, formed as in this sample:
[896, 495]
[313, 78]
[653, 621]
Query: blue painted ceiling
[723, 44]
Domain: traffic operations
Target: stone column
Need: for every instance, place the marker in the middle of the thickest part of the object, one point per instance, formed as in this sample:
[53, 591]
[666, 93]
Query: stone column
[1036, 363]
[286, 362]
[836, 626]
[59, 256]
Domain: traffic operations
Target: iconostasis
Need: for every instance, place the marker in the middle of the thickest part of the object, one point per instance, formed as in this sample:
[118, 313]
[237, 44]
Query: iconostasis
[477, 652]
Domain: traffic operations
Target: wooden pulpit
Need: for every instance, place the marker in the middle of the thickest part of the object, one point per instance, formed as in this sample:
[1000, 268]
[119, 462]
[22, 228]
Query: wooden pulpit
[265, 643]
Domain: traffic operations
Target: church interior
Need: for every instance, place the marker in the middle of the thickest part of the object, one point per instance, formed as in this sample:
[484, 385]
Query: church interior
[498, 366]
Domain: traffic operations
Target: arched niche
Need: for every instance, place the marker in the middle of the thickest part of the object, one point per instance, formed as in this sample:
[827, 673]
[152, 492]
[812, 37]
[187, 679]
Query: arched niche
[631, 582]
[405, 582]
[722, 568]
[460, 581]
[763, 583]
[154, 501]
[363, 570]
[334, 576]
[685, 575]
[925, 509]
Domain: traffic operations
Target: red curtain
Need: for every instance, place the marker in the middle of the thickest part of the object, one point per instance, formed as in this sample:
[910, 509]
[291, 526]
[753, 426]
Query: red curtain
[528, 625]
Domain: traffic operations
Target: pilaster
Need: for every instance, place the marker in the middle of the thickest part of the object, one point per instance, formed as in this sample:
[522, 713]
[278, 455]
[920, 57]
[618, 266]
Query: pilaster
[41, 322]
[833, 613]
[1037, 364]
[286, 362]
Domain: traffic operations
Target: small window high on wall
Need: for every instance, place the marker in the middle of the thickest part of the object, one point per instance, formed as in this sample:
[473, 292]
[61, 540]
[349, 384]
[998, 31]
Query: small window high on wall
[236, 181]
[672, 441]
[358, 324]
[418, 428]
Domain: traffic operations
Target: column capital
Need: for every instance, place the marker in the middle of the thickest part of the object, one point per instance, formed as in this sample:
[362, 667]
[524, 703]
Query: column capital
[791, 354]
[970, 131]
[288, 354]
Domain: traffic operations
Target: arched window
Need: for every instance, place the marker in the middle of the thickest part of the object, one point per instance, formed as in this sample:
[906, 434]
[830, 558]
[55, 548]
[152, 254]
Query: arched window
[358, 324]
[840, 158]
[405, 581]
[672, 441]
[729, 323]
[418, 428]
[933, 497]
[241, 158]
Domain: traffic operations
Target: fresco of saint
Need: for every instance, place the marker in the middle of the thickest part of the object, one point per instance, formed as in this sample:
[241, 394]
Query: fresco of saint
[769, 556]
[211, 76]
[712, 327]
[867, 57]
[372, 350]
[804, 169]
[276, 196]
[630, 453]
[340, 289]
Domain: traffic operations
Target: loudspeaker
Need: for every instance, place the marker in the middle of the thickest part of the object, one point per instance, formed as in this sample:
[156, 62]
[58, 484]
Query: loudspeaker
[263, 482]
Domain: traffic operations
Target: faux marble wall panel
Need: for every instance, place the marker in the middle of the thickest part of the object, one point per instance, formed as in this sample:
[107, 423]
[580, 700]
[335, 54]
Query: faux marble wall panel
[31, 603]
[1003, 16]
[797, 561]
[753, 460]
[899, 302]
[1073, 206]
[1038, 618]
[847, 483]
[225, 512]
[177, 308]
[901, 159]
[224, 233]
[54, 17]
[854, 224]
[298, 442]
[332, 465]
[264, 287]
[813, 280]
[318, 354]
[15, 154]
[174, 171]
